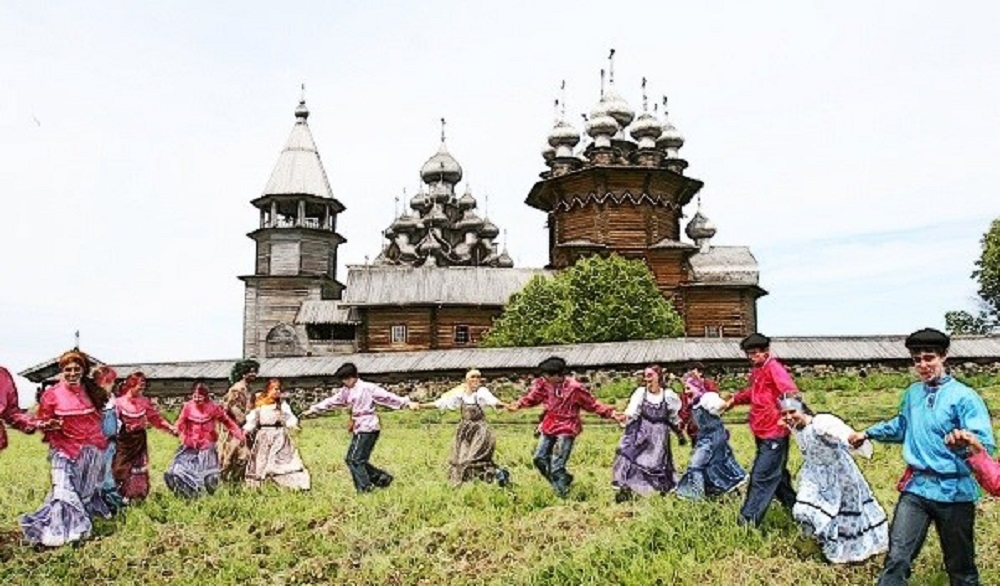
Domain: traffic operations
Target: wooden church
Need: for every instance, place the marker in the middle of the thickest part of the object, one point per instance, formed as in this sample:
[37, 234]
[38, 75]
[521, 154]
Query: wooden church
[441, 277]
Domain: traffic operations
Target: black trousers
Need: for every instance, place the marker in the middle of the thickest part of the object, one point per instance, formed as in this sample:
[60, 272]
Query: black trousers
[364, 475]
[954, 523]
[769, 479]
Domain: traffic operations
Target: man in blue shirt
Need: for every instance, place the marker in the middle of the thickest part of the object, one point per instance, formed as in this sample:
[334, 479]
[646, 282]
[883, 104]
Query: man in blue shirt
[937, 486]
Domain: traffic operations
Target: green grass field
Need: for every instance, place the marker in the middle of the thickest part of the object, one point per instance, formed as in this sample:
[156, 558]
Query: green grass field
[421, 531]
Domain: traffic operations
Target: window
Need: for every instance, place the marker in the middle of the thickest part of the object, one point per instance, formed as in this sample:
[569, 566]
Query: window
[398, 334]
[713, 332]
[461, 335]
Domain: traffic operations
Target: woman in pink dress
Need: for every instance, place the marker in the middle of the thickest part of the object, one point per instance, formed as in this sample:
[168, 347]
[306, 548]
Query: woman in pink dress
[69, 413]
[136, 412]
[195, 467]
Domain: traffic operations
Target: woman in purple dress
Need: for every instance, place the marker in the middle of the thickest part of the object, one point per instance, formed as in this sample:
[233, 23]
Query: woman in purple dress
[644, 463]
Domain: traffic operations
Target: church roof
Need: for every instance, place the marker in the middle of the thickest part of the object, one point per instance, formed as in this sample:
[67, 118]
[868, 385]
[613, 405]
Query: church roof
[733, 265]
[299, 170]
[403, 285]
[325, 311]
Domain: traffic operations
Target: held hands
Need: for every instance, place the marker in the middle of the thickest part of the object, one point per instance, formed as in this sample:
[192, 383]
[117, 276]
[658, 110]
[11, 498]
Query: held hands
[413, 406]
[619, 417]
[49, 424]
[961, 438]
[857, 438]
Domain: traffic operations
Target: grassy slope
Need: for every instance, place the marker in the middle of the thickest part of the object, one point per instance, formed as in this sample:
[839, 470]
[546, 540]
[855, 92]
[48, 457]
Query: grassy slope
[422, 531]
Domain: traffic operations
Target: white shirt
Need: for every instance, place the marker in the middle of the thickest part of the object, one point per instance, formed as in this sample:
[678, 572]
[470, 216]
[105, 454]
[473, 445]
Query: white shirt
[635, 401]
[712, 403]
[267, 415]
[482, 396]
[834, 428]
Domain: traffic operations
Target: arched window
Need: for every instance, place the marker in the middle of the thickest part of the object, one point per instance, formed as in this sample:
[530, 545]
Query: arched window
[282, 341]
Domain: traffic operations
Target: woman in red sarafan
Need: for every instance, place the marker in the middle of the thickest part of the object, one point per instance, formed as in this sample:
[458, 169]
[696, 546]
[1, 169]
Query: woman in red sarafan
[195, 468]
[136, 413]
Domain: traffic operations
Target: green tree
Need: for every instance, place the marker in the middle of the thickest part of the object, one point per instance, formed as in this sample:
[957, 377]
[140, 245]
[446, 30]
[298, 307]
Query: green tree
[987, 273]
[596, 300]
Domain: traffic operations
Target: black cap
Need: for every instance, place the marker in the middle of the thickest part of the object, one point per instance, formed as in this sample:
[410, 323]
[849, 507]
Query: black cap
[552, 365]
[695, 366]
[928, 339]
[755, 341]
[346, 370]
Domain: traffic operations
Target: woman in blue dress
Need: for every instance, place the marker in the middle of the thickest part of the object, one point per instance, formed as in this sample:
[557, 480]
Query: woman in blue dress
[834, 503]
[712, 469]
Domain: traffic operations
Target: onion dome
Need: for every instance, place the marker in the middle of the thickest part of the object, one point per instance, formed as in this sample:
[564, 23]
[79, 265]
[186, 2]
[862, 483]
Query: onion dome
[548, 153]
[404, 223]
[563, 138]
[301, 112]
[646, 130]
[700, 228]
[469, 222]
[441, 167]
[436, 217]
[601, 127]
[420, 201]
[504, 261]
[616, 107]
[489, 229]
[467, 202]
[671, 139]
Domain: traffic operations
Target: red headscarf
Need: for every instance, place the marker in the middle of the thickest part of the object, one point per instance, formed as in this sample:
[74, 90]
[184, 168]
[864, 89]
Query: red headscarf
[133, 381]
[104, 375]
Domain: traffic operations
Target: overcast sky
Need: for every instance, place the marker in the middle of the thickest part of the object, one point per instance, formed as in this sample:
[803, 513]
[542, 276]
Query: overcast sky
[851, 145]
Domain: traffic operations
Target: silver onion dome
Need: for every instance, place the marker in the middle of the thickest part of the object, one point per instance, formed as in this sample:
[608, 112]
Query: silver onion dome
[441, 167]
[700, 228]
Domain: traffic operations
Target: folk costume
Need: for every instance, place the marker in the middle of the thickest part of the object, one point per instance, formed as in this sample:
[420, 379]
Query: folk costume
[644, 463]
[561, 423]
[712, 469]
[937, 486]
[273, 455]
[72, 427]
[834, 504]
[10, 412]
[472, 452]
[769, 476]
[195, 468]
[233, 451]
[986, 470]
[104, 377]
[694, 388]
[361, 397]
[130, 466]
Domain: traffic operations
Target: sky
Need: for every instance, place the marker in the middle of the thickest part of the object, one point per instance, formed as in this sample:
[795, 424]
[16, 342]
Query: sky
[851, 145]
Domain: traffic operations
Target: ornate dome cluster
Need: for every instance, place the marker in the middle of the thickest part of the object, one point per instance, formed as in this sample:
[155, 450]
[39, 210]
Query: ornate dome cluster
[443, 229]
[617, 136]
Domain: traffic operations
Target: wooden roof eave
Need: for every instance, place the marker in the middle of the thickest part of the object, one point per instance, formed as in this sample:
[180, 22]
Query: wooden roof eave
[541, 195]
[333, 202]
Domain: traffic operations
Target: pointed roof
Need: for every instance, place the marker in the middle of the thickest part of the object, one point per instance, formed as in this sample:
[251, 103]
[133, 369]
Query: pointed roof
[299, 170]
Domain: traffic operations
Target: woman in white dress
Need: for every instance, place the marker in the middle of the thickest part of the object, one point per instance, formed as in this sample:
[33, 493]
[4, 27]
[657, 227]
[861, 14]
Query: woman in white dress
[834, 503]
[273, 455]
[472, 452]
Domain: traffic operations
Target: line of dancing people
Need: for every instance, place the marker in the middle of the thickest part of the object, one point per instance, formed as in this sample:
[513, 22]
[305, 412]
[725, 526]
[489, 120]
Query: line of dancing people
[99, 453]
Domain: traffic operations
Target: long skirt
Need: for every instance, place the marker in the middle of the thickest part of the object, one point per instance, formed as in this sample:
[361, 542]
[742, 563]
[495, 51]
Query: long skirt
[834, 503]
[193, 471]
[712, 469]
[273, 456]
[233, 456]
[472, 452]
[109, 492]
[65, 515]
[643, 462]
[131, 465]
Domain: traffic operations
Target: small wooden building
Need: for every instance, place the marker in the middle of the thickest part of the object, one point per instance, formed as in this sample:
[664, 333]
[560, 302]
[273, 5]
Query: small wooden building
[401, 308]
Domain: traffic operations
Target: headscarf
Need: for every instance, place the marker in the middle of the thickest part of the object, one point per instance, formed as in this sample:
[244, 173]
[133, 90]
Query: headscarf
[241, 368]
[132, 382]
[791, 402]
[103, 375]
[696, 384]
[265, 398]
[461, 388]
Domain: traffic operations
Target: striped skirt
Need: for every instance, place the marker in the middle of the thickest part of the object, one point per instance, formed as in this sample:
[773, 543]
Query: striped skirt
[65, 515]
[193, 471]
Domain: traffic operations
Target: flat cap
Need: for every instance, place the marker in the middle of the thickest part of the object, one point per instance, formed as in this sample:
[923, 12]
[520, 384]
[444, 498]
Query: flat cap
[928, 339]
[755, 341]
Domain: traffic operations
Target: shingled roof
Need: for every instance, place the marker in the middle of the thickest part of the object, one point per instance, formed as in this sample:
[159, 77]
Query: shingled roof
[403, 285]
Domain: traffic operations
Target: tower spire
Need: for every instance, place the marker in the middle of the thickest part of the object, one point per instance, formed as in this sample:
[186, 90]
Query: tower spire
[611, 67]
[602, 84]
[645, 98]
[442, 130]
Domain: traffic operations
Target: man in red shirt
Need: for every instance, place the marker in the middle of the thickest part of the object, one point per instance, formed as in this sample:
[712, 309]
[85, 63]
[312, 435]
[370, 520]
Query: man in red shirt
[769, 477]
[562, 398]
